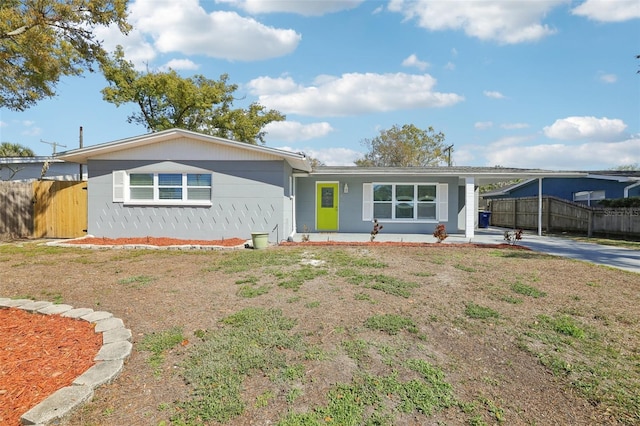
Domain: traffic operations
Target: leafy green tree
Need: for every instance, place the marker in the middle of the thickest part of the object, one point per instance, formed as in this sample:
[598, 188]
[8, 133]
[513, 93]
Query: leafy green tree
[44, 40]
[8, 149]
[406, 146]
[628, 167]
[167, 100]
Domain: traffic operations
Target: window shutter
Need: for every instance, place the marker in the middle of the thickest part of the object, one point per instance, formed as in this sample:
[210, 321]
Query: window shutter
[367, 202]
[443, 202]
[119, 177]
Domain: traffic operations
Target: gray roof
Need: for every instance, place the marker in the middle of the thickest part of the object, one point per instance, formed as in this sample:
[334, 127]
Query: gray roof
[482, 174]
[81, 155]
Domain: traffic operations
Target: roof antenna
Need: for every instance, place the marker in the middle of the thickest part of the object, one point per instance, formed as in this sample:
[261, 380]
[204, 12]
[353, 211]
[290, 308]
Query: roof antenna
[54, 145]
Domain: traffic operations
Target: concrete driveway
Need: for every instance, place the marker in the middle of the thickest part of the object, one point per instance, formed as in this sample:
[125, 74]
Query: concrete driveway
[616, 257]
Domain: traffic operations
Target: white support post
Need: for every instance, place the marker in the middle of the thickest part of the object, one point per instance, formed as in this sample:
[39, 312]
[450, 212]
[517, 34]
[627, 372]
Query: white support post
[471, 208]
[540, 206]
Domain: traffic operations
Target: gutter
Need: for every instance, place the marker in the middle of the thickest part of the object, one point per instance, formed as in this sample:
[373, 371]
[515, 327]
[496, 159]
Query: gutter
[627, 188]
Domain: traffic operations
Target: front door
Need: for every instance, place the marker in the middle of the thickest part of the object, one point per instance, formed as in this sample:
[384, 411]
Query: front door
[327, 206]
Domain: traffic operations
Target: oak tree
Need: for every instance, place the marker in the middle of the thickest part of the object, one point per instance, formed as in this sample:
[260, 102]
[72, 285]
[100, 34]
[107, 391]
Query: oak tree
[406, 146]
[166, 100]
[44, 40]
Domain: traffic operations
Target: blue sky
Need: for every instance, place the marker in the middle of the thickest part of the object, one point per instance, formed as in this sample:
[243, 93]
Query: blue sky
[548, 84]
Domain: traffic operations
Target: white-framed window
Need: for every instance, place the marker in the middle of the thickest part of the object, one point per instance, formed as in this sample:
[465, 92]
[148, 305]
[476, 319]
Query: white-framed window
[588, 196]
[162, 188]
[405, 202]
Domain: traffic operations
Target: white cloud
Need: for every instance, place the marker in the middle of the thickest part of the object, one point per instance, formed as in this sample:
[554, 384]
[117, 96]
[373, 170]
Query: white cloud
[609, 10]
[450, 66]
[587, 156]
[507, 22]
[413, 61]
[514, 126]
[572, 128]
[183, 26]
[3, 124]
[483, 125]
[608, 78]
[493, 94]
[136, 48]
[334, 156]
[509, 142]
[300, 7]
[293, 131]
[351, 94]
[30, 128]
[180, 64]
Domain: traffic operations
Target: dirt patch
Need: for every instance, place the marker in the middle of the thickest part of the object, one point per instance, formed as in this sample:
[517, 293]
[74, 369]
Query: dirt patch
[40, 354]
[490, 363]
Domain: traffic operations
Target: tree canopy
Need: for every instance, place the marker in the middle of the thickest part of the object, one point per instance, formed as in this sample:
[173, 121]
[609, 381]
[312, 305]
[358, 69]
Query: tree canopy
[44, 40]
[167, 100]
[406, 146]
[8, 149]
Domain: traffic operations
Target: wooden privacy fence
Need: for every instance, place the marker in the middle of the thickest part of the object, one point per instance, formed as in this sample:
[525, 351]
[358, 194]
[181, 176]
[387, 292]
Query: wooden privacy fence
[560, 215]
[43, 209]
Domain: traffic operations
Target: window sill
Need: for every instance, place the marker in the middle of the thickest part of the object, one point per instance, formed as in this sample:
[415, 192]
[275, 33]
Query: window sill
[408, 221]
[169, 203]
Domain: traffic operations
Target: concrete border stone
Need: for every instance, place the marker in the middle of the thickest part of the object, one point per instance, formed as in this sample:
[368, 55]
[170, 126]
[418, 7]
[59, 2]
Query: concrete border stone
[116, 348]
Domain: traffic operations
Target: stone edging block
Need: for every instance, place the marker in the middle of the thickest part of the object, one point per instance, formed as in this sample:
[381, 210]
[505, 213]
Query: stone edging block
[116, 347]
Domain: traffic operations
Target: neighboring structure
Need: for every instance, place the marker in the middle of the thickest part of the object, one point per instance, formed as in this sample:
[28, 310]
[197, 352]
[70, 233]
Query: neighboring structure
[590, 189]
[182, 184]
[34, 168]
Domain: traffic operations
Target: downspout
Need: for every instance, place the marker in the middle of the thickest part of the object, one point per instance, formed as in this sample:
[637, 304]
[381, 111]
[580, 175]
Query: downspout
[293, 207]
[539, 206]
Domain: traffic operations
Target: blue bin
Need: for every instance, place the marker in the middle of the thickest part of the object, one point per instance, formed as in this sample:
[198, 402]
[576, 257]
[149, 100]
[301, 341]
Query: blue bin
[484, 218]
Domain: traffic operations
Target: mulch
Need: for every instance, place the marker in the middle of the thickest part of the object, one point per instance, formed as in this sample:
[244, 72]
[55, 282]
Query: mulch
[157, 241]
[40, 354]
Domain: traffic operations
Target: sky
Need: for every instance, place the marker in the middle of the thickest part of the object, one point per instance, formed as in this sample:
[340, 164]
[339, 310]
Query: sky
[549, 84]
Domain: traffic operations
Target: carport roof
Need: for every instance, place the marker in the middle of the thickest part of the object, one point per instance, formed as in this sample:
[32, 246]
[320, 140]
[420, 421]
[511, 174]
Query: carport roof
[482, 175]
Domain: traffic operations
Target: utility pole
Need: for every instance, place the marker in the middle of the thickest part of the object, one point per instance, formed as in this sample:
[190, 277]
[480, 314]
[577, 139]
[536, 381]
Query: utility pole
[81, 143]
[448, 151]
[54, 145]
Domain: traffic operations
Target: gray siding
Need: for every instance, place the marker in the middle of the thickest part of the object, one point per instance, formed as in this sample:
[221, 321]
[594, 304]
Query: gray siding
[350, 204]
[247, 196]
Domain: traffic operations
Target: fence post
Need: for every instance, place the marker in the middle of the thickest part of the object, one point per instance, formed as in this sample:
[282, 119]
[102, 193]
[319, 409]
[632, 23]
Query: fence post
[547, 210]
[590, 224]
[515, 213]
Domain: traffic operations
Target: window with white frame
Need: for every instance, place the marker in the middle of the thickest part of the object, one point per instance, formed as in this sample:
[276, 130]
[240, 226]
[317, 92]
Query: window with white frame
[405, 201]
[162, 188]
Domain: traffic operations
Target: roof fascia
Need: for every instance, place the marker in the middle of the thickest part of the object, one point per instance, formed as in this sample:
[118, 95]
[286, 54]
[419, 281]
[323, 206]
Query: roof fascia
[81, 155]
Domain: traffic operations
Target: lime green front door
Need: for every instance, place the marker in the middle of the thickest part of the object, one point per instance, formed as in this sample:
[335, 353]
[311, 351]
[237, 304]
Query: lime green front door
[327, 206]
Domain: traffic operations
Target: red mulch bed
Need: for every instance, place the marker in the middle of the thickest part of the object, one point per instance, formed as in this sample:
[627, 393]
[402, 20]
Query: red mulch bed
[40, 354]
[156, 241]
[403, 244]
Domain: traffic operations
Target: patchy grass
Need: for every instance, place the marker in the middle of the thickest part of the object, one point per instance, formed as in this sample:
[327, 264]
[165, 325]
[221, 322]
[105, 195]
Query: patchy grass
[362, 336]
[158, 344]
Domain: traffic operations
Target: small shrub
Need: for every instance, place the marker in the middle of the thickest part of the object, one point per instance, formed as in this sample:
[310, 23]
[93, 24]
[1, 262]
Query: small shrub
[376, 228]
[440, 232]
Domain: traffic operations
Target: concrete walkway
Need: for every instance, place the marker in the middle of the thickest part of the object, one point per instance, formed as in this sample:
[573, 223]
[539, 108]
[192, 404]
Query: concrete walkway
[616, 257]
